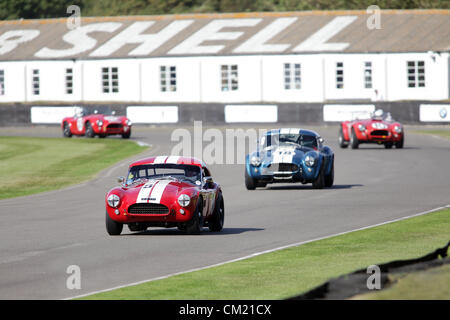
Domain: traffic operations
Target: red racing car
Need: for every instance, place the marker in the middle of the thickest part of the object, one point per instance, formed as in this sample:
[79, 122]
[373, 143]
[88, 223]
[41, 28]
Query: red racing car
[90, 125]
[380, 129]
[165, 191]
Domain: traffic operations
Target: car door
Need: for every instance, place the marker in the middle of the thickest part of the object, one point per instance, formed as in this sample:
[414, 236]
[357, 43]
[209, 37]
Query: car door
[209, 191]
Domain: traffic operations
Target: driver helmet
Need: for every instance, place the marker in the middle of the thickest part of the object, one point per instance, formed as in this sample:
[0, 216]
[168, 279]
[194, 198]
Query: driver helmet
[78, 112]
[191, 173]
[378, 114]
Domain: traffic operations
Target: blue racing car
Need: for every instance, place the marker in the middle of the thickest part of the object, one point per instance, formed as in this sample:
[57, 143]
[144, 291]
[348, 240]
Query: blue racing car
[290, 155]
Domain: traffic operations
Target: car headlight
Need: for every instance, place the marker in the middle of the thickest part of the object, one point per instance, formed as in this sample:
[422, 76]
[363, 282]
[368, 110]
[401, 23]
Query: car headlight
[184, 200]
[361, 127]
[99, 123]
[128, 122]
[113, 200]
[398, 129]
[255, 161]
[309, 161]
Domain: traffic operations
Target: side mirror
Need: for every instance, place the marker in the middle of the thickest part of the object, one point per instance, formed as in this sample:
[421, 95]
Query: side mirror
[321, 140]
[121, 179]
[113, 113]
[207, 180]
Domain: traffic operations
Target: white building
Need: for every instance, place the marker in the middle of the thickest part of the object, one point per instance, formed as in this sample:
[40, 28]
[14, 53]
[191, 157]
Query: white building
[228, 58]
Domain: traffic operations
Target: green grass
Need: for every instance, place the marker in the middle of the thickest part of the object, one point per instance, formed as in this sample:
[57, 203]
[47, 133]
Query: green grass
[291, 271]
[32, 165]
[422, 285]
[443, 133]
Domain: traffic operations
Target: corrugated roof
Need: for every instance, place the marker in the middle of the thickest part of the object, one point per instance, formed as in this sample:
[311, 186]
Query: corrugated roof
[401, 31]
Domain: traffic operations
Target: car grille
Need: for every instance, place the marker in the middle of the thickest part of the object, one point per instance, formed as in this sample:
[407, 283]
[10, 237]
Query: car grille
[148, 208]
[114, 126]
[379, 133]
[287, 167]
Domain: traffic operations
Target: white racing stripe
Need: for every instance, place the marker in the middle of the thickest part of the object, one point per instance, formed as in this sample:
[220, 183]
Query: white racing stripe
[158, 191]
[173, 159]
[152, 191]
[283, 155]
[145, 192]
[160, 159]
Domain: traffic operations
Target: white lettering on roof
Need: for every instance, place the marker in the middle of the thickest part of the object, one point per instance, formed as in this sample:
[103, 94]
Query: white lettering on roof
[79, 39]
[211, 31]
[318, 41]
[257, 43]
[11, 39]
[148, 42]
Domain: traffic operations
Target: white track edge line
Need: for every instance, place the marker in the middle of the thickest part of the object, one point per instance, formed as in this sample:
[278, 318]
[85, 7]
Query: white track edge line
[258, 253]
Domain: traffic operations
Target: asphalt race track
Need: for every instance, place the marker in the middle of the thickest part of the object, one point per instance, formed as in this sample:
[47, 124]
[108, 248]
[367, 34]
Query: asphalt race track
[41, 235]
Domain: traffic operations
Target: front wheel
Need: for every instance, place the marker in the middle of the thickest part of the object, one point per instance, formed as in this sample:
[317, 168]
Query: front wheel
[126, 135]
[218, 218]
[319, 183]
[250, 183]
[113, 228]
[89, 131]
[399, 144]
[354, 140]
[329, 179]
[342, 143]
[195, 225]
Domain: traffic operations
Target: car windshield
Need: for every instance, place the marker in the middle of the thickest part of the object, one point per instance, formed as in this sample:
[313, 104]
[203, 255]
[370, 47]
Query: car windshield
[187, 173]
[277, 139]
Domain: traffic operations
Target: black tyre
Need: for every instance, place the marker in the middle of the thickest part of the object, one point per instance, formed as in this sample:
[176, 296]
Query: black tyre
[354, 140]
[195, 225]
[342, 143]
[250, 183]
[329, 179]
[399, 145]
[388, 145]
[319, 183]
[112, 227]
[66, 130]
[102, 136]
[218, 218]
[126, 135]
[89, 131]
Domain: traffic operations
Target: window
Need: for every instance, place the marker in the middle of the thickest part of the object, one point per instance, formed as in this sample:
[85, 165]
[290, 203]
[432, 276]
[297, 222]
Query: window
[168, 78]
[110, 80]
[2, 82]
[368, 75]
[35, 82]
[69, 81]
[292, 76]
[416, 74]
[229, 77]
[339, 75]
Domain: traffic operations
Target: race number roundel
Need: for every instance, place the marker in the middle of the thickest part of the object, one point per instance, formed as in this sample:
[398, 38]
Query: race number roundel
[80, 124]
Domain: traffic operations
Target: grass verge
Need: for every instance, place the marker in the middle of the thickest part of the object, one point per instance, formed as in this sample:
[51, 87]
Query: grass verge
[438, 132]
[291, 271]
[32, 165]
